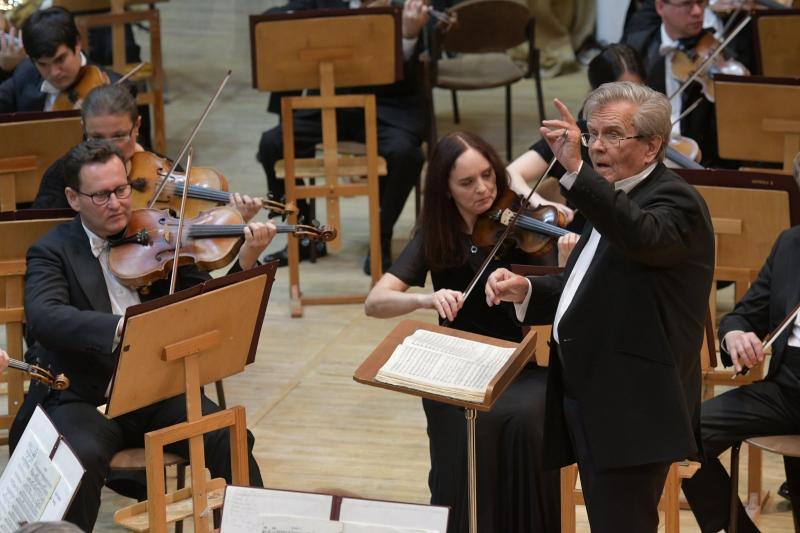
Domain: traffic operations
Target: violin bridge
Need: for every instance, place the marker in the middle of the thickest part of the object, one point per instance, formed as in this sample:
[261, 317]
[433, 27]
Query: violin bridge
[506, 216]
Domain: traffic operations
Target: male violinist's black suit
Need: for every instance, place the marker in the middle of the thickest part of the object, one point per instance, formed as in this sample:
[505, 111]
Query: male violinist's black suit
[768, 407]
[68, 312]
[624, 380]
[402, 122]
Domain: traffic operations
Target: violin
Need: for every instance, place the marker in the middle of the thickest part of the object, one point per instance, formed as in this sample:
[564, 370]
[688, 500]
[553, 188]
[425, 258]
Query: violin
[89, 77]
[210, 240]
[686, 146]
[207, 187]
[534, 232]
[59, 382]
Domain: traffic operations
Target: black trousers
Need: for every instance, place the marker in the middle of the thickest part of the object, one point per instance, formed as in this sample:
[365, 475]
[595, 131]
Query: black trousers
[617, 499]
[762, 408]
[400, 148]
[95, 439]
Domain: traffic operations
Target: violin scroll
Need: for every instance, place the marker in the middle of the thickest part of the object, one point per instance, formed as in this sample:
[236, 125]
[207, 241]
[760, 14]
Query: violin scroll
[315, 231]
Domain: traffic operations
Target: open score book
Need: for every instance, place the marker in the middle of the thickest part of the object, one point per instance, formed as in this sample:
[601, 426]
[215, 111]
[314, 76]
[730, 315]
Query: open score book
[444, 365]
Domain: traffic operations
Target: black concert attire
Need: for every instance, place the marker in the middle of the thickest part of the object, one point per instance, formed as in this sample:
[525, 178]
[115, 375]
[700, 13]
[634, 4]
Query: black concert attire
[402, 122]
[515, 494]
[51, 188]
[628, 315]
[68, 307]
[767, 407]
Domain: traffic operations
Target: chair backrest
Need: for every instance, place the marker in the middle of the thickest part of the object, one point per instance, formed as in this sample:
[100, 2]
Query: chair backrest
[486, 26]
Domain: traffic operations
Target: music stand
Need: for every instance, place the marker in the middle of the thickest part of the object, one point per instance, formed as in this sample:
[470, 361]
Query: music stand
[768, 131]
[777, 39]
[326, 49]
[524, 352]
[31, 143]
[18, 230]
[213, 333]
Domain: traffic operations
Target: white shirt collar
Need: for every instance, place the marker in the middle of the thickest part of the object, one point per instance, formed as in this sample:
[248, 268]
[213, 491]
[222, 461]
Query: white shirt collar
[48, 88]
[628, 184]
[668, 44]
[97, 243]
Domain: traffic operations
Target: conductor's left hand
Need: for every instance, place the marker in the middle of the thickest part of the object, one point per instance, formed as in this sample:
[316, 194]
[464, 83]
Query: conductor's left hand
[505, 286]
[257, 236]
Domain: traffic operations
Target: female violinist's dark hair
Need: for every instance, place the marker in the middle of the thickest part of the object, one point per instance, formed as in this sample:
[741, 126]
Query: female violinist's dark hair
[80, 155]
[440, 221]
[46, 30]
[110, 100]
[612, 62]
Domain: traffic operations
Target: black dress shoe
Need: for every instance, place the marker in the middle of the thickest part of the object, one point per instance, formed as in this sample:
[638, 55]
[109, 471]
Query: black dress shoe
[282, 256]
[783, 491]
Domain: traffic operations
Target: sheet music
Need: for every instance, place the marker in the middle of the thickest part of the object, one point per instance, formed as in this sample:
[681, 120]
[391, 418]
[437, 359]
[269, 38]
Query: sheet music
[295, 524]
[238, 514]
[444, 364]
[33, 485]
[405, 517]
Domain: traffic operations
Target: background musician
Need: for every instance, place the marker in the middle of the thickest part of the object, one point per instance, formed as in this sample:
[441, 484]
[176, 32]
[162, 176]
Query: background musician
[402, 122]
[628, 313]
[53, 65]
[109, 112]
[515, 495]
[74, 307]
[767, 407]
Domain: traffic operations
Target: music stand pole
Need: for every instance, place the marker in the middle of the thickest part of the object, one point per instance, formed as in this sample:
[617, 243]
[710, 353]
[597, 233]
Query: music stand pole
[472, 475]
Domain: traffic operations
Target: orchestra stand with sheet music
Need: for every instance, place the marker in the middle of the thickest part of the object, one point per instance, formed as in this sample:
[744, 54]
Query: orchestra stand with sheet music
[325, 50]
[525, 352]
[213, 334]
[24, 157]
[766, 131]
[18, 230]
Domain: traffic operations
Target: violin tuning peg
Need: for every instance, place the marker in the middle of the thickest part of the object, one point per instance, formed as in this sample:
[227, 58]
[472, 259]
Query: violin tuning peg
[315, 223]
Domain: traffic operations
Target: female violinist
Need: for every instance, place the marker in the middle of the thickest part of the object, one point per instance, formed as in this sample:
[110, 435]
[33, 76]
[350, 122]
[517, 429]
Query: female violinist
[109, 112]
[464, 178]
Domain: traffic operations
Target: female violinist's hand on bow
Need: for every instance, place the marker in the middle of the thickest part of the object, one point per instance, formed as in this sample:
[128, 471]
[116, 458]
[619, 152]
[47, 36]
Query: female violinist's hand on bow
[505, 286]
[446, 302]
[247, 206]
[566, 148]
[257, 236]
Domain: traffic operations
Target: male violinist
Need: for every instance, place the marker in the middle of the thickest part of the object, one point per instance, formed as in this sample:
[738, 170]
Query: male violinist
[109, 112]
[628, 312]
[767, 407]
[53, 65]
[682, 24]
[402, 122]
[74, 307]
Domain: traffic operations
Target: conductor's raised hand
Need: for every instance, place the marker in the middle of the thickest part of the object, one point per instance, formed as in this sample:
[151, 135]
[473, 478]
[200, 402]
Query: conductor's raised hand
[446, 302]
[505, 286]
[564, 137]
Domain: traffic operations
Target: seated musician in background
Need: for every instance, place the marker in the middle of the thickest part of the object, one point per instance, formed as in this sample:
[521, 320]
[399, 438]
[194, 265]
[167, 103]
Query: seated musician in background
[53, 65]
[628, 313]
[682, 24]
[74, 307]
[515, 494]
[402, 121]
[616, 62]
[109, 112]
[767, 407]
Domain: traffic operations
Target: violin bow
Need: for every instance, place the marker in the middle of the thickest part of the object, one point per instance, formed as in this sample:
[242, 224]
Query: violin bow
[711, 57]
[509, 228]
[187, 143]
[130, 73]
[769, 339]
[184, 196]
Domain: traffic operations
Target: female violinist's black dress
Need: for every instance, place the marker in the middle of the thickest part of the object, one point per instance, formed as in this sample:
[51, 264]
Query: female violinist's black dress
[514, 494]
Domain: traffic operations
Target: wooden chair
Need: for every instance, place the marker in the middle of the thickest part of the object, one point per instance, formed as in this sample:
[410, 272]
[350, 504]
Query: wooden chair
[152, 73]
[785, 445]
[485, 30]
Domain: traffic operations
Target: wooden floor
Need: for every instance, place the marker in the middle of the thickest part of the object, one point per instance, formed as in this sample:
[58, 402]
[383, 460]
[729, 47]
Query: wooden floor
[315, 428]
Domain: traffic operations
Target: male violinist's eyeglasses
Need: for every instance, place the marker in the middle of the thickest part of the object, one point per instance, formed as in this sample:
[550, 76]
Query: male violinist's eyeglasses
[117, 139]
[102, 197]
[608, 139]
[687, 5]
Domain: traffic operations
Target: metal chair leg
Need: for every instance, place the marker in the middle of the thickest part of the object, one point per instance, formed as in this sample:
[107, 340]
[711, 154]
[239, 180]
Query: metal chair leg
[456, 116]
[220, 395]
[508, 123]
[537, 77]
[733, 520]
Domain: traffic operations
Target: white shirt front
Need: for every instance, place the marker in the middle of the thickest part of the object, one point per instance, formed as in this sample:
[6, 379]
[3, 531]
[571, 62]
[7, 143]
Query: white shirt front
[794, 338]
[587, 253]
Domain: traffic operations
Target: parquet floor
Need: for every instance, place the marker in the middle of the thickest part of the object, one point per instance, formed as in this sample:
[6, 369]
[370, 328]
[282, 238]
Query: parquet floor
[315, 428]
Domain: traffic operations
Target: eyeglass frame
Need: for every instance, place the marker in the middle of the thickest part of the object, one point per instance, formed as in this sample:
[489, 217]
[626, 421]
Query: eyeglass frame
[586, 139]
[116, 139]
[107, 194]
[687, 5]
